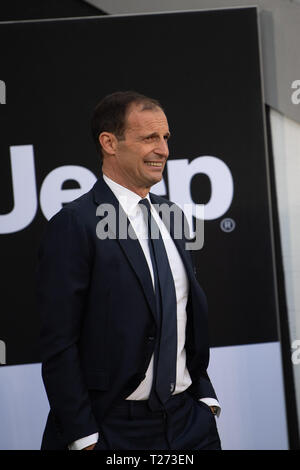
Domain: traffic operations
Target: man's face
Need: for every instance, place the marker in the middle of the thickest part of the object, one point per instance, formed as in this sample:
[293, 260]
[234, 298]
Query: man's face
[141, 154]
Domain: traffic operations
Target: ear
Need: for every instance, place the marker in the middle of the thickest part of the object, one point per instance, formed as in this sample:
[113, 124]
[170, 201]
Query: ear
[108, 142]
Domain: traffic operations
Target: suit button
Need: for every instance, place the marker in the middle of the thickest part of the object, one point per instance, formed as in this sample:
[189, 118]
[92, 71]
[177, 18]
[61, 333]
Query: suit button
[151, 338]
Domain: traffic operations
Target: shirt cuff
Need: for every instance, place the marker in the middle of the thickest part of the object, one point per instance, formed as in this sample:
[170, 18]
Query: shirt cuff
[212, 402]
[84, 442]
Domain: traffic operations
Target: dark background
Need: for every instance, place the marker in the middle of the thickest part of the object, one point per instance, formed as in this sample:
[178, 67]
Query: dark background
[204, 68]
[19, 10]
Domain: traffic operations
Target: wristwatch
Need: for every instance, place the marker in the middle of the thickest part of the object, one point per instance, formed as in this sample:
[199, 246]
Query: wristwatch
[214, 410]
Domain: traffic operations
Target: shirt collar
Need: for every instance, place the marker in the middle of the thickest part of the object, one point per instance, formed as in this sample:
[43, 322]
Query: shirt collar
[128, 199]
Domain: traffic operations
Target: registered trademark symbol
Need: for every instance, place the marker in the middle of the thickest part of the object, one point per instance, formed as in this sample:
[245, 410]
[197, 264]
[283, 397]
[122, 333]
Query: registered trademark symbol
[227, 225]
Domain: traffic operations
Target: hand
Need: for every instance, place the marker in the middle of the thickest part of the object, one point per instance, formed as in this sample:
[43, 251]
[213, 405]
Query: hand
[91, 447]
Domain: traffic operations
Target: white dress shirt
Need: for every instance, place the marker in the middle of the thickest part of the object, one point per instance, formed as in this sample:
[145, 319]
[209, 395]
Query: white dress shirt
[130, 204]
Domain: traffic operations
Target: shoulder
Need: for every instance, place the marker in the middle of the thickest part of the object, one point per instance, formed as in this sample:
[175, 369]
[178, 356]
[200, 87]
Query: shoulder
[74, 221]
[162, 200]
[69, 228]
[79, 208]
[164, 205]
[82, 203]
[172, 215]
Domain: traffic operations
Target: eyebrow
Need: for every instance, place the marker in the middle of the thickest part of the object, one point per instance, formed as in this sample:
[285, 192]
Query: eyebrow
[155, 134]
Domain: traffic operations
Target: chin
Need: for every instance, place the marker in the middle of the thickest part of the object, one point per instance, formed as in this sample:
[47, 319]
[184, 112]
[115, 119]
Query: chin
[155, 180]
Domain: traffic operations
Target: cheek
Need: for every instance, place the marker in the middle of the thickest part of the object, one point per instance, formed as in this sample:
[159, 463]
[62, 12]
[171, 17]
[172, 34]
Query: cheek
[132, 160]
[133, 163]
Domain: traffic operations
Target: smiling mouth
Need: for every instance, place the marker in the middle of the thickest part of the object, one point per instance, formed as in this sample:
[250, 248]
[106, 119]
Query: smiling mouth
[157, 164]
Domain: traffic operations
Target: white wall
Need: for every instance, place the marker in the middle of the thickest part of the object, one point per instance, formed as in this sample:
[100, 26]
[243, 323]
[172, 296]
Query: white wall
[23, 407]
[247, 378]
[286, 149]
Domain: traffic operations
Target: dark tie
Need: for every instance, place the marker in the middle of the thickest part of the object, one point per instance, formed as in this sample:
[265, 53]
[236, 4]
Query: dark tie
[165, 352]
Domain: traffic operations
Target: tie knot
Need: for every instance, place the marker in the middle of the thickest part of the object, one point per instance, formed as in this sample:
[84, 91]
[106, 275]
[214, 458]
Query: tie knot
[153, 228]
[145, 202]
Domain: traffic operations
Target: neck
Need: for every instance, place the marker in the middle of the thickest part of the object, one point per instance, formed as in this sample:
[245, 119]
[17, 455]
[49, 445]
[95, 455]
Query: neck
[140, 191]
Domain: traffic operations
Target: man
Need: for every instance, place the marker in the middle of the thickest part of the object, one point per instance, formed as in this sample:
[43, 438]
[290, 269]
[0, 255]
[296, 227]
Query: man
[124, 333]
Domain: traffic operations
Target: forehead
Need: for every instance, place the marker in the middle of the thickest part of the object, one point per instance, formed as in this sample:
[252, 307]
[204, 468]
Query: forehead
[146, 120]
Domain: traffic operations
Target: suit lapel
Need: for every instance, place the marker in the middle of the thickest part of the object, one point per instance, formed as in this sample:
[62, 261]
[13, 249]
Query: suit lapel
[131, 247]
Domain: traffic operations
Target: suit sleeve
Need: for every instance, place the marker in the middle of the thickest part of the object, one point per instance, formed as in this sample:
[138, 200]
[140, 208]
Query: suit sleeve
[63, 274]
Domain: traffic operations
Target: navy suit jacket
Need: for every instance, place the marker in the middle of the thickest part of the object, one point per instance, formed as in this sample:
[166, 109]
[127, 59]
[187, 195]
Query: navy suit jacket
[98, 325]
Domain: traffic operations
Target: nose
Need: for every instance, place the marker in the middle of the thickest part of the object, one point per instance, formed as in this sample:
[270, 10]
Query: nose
[162, 148]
